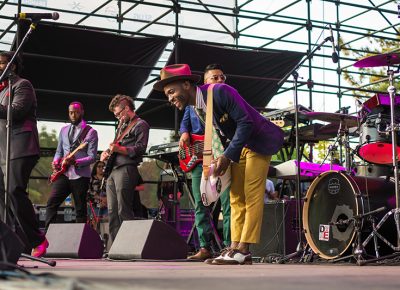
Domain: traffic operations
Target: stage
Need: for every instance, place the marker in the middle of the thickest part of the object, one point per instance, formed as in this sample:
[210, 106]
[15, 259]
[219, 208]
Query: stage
[104, 274]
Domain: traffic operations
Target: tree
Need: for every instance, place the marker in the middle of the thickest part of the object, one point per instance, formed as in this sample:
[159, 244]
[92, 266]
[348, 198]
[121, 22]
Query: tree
[38, 186]
[370, 74]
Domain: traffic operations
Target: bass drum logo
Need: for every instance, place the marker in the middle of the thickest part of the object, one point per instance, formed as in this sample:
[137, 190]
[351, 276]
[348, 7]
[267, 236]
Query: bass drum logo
[333, 186]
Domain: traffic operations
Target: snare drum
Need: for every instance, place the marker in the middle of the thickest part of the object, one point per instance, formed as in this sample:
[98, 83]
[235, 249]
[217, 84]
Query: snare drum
[372, 170]
[375, 145]
[336, 196]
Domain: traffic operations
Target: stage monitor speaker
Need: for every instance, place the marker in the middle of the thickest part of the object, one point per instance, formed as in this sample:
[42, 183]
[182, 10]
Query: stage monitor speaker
[147, 239]
[73, 241]
[279, 230]
[11, 246]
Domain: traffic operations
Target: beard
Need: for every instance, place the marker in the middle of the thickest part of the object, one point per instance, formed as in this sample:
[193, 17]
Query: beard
[76, 122]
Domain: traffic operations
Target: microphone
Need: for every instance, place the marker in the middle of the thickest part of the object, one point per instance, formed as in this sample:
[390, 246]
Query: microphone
[38, 16]
[335, 57]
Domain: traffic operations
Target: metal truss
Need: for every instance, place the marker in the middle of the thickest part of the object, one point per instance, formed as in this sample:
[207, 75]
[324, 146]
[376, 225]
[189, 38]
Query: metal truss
[349, 19]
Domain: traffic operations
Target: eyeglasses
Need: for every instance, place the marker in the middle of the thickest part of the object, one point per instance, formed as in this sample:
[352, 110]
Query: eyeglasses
[117, 114]
[216, 77]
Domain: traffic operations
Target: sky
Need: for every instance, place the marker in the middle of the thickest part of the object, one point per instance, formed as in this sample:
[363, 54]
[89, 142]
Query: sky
[320, 11]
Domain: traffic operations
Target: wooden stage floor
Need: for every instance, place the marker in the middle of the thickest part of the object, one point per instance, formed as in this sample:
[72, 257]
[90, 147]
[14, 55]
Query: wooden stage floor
[104, 274]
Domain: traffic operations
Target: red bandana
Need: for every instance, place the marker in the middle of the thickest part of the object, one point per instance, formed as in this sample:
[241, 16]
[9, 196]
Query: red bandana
[3, 85]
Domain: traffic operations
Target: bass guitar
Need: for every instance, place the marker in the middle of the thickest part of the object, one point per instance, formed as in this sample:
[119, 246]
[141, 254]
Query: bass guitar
[192, 154]
[64, 167]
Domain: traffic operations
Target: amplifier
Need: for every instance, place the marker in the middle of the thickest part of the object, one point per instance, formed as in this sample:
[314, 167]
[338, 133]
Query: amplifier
[65, 214]
[279, 230]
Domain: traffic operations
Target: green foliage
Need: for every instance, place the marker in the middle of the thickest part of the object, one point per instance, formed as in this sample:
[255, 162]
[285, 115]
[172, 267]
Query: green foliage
[46, 139]
[39, 188]
[150, 171]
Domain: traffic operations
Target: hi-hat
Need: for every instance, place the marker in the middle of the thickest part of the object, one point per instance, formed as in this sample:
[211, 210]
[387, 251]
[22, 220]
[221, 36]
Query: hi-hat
[386, 59]
[347, 120]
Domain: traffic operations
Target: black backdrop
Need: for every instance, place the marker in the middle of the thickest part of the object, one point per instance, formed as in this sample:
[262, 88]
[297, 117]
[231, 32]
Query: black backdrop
[66, 63]
[56, 62]
[253, 73]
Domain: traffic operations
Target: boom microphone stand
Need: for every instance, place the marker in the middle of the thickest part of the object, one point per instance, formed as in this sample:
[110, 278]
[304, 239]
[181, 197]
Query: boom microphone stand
[8, 72]
[300, 247]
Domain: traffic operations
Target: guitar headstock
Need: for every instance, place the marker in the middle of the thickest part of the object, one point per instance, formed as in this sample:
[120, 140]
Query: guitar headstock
[279, 123]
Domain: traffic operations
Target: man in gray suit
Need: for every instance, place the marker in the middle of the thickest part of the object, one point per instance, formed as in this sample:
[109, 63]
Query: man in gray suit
[24, 155]
[76, 178]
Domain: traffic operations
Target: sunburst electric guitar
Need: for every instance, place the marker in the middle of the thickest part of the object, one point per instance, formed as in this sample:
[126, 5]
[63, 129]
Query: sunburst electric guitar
[64, 167]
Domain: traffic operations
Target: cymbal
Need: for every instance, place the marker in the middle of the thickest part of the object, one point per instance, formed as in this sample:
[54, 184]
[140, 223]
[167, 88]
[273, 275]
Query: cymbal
[347, 120]
[386, 59]
[333, 128]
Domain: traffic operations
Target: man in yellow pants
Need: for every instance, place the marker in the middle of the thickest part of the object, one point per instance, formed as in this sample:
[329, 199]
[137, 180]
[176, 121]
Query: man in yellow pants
[253, 140]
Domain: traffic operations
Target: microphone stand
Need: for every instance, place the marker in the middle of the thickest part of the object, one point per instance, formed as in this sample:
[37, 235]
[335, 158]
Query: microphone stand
[300, 248]
[8, 72]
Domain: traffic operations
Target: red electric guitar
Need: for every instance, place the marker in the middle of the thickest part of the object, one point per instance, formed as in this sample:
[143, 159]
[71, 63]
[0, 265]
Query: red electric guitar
[190, 156]
[64, 167]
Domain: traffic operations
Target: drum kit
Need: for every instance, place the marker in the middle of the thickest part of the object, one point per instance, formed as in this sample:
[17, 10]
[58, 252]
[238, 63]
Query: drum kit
[350, 216]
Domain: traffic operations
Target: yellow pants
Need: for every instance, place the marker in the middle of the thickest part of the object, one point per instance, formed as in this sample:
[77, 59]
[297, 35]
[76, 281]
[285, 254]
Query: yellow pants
[247, 196]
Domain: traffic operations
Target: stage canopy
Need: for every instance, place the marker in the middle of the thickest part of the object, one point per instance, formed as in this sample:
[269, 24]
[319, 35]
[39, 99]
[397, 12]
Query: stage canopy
[255, 74]
[66, 64]
[69, 64]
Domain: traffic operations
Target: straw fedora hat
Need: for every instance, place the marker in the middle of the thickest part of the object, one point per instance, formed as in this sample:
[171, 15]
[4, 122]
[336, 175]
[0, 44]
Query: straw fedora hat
[175, 72]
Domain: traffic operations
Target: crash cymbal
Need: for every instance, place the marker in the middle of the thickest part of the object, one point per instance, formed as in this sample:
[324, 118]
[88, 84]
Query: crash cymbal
[348, 120]
[386, 59]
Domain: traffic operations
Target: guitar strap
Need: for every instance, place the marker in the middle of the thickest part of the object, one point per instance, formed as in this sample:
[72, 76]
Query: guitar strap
[127, 129]
[207, 153]
[80, 138]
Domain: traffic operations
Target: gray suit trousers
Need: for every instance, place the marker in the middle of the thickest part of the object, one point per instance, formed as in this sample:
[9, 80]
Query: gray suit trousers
[120, 192]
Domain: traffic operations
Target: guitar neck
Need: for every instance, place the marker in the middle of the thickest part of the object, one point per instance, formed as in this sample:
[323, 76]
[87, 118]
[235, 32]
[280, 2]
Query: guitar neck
[81, 146]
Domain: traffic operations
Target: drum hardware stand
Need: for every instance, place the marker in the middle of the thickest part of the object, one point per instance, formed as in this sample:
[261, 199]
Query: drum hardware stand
[342, 138]
[359, 246]
[177, 180]
[215, 231]
[300, 247]
[392, 129]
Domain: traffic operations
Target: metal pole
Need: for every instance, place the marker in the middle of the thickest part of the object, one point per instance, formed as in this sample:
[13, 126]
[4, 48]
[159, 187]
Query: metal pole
[393, 131]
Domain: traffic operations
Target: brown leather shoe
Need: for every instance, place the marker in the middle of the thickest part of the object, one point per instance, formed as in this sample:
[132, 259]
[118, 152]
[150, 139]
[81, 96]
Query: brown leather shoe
[201, 255]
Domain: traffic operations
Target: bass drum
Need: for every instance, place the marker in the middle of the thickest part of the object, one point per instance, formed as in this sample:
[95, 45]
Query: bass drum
[334, 196]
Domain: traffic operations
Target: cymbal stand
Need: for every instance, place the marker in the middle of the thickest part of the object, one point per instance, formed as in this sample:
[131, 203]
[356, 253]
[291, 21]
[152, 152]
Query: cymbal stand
[359, 246]
[342, 138]
[293, 72]
[392, 129]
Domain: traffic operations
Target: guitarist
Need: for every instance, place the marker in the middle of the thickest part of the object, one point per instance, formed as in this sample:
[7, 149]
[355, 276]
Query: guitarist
[76, 178]
[191, 124]
[253, 140]
[126, 154]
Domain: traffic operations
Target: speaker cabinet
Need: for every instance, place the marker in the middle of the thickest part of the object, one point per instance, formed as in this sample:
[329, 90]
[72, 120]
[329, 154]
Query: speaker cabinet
[73, 241]
[279, 229]
[148, 239]
[10, 245]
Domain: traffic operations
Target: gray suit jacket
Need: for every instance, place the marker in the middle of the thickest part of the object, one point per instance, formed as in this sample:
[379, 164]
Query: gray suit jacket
[24, 134]
[83, 157]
